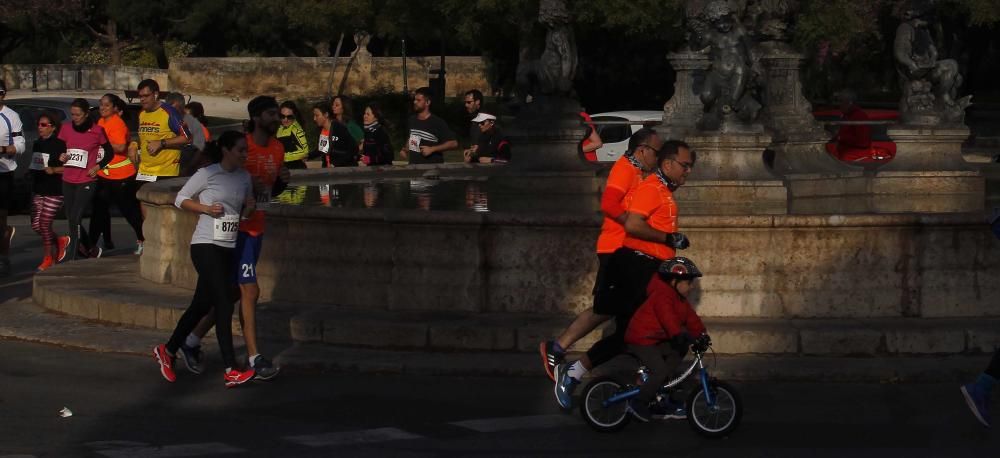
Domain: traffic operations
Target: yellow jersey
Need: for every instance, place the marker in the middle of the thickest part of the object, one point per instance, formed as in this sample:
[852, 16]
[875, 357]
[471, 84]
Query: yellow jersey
[162, 124]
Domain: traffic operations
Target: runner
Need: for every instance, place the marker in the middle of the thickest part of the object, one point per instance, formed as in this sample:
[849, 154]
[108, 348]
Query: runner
[626, 175]
[429, 135]
[87, 151]
[11, 145]
[292, 136]
[377, 147]
[335, 142]
[651, 237]
[264, 162]
[162, 134]
[219, 194]
[116, 182]
[47, 192]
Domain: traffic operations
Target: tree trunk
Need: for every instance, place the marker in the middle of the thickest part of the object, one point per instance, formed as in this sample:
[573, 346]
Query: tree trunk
[347, 73]
[333, 68]
[114, 43]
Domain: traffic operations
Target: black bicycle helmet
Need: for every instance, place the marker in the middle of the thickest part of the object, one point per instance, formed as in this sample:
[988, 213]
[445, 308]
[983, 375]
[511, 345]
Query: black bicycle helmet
[680, 268]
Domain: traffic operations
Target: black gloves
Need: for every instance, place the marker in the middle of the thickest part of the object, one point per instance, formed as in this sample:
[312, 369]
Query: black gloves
[702, 343]
[677, 240]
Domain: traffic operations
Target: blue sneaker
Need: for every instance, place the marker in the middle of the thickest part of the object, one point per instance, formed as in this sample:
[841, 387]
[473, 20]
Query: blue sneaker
[668, 410]
[978, 401]
[564, 387]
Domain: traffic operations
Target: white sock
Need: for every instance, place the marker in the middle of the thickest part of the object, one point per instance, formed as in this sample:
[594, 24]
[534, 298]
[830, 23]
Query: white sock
[252, 358]
[577, 371]
[192, 341]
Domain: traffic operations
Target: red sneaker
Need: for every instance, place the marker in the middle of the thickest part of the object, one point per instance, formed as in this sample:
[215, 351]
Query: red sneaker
[62, 243]
[46, 263]
[166, 362]
[237, 377]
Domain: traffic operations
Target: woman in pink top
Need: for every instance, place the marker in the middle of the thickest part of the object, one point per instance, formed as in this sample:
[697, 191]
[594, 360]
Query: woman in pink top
[87, 151]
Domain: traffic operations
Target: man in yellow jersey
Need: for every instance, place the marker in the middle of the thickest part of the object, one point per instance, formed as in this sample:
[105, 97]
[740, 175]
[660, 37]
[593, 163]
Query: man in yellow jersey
[162, 134]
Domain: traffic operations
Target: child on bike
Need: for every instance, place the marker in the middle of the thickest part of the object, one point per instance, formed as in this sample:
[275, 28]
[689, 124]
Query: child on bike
[660, 334]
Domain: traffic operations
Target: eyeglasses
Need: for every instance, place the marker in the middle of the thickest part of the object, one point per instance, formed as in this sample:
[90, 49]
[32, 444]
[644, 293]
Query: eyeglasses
[686, 165]
[655, 151]
[289, 117]
[44, 124]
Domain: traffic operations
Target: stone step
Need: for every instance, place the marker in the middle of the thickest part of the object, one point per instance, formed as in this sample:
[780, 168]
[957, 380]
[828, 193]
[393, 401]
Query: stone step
[110, 291]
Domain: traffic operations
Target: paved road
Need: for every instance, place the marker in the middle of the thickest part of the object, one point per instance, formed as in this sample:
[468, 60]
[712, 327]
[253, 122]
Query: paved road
[121, 407]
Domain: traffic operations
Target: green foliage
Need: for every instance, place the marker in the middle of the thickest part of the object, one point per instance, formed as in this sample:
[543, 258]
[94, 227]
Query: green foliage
[133, 55]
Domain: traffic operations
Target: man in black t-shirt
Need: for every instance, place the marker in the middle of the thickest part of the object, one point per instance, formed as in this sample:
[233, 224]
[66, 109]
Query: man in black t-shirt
[429, 135]
[473, 104]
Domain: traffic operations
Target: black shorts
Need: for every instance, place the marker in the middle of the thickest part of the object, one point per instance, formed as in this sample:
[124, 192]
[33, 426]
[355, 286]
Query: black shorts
[623, 288]
[6, 190]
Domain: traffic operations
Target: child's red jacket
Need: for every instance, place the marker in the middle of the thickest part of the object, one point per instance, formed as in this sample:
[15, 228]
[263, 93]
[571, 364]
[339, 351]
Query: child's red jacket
[664, 315]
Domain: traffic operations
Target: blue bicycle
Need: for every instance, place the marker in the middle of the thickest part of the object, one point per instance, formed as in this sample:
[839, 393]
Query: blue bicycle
[714, 410]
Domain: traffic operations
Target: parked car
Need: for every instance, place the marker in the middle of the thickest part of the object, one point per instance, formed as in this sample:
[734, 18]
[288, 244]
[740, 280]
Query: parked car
[615, 136]
[29, 109]
[882, 149]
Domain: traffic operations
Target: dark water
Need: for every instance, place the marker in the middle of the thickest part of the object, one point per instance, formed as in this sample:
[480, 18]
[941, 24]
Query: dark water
[453, 195]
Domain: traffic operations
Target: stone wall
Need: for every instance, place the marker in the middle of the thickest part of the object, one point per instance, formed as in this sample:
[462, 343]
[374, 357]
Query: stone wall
[52, 77]
[860, 266]
[287, 77]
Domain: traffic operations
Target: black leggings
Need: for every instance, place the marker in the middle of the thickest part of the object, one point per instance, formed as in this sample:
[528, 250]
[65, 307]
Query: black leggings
[122, 194]
[76, 198]
[216, 288]
[994, 368]
[628, 274]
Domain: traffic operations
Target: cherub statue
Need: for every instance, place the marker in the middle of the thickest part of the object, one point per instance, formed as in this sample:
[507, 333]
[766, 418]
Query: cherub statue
[929, 86]
[726, 93]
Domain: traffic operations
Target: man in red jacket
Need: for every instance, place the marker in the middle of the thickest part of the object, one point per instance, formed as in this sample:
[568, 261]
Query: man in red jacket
[660, 334]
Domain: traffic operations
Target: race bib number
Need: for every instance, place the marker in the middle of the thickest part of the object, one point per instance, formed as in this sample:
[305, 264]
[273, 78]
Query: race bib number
[39, 161]
[414, 143]
[144, 177]
[226, 228]
[324, 144]
[77, 158]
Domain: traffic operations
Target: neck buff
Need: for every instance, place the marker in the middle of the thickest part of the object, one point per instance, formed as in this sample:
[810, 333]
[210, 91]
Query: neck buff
[666, 181]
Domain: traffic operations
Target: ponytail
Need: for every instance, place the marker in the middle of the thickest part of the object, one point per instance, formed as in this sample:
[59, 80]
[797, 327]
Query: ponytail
[213, 149]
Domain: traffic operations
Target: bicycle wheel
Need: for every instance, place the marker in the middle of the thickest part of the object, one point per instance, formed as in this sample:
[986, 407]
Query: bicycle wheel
[606, 419]
[716, 420]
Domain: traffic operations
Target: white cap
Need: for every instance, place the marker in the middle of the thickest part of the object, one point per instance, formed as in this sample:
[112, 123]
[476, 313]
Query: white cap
[484, 117]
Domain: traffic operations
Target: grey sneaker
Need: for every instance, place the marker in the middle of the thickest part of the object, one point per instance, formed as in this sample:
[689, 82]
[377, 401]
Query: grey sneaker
[264, 369]
[193, 358]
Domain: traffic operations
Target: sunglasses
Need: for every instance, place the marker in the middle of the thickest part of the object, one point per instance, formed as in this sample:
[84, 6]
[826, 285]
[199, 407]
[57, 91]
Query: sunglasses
[289, 117]
[483, 123]
[43, 124]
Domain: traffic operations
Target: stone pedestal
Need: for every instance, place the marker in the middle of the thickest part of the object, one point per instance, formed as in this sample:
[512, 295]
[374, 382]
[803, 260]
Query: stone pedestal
[786, 114]
[928, 175]
[731, 177]
[683, 111]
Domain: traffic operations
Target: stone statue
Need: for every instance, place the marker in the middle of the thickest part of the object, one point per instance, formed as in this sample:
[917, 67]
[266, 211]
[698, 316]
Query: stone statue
[929, 86]
[769, 20]
[552, 72]
[727, 93]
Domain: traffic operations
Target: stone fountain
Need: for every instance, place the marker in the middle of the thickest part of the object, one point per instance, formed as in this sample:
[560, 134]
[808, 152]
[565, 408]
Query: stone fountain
[766, 256]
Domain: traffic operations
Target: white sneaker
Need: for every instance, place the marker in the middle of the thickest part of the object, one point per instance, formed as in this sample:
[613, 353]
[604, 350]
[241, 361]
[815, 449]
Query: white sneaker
[138, 249]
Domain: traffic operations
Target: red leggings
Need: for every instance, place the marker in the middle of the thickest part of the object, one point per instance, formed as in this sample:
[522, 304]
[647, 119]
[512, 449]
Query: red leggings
[43, 211]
